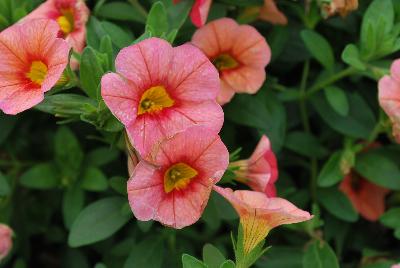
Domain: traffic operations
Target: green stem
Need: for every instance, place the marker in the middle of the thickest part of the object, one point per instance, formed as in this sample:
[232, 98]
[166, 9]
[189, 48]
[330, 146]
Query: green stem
[303, 105]
[330, 80]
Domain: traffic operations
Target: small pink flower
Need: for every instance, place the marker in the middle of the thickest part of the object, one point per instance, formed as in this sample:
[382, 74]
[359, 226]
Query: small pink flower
[5, 240]
[396, 266]
[32, 61]
[239, 52]
[269, 12]
[259, 214]
[260, 171]
[160, 91]
[175, 188]
[71, 16]
[199, 12]
[389, 97]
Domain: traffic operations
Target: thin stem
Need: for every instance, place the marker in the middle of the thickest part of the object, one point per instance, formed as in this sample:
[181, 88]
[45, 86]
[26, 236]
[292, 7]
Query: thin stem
[303, 105]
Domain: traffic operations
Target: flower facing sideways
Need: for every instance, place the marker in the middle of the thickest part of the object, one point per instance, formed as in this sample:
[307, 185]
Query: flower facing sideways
[159, 91]
[389, 97]
[175, 186]
[259, 214]
[269, 12]
[199, 12]
[239, 52]
[260, 171]
[367, 198]
[32, 61]
[5, 240]
[71, 16]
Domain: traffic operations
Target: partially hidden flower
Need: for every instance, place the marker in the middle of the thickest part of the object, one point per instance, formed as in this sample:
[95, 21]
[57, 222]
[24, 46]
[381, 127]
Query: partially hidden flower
[396, 266]
[32, 61]
[259, 214]
[174, 186]
[260, 171]
[159, 91]
[367, 198]
[5, 240]
[389, 97]
[199, 12]
[71, 16]
[270, 12]
[239, 52]
[343, 7]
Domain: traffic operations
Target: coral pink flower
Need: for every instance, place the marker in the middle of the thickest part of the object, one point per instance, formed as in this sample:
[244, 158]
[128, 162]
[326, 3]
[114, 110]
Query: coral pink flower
[269, 12]
[259, 214]
[32, 60]
[239, 52]
[199, 12]
[175, 188]
[389, 97]
[260, 171]
[5, 240]
[71, 16]
[160, 91]
[367, 198]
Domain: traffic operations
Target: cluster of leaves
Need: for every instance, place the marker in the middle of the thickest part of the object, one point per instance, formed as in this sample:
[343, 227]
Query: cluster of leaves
[63, 188]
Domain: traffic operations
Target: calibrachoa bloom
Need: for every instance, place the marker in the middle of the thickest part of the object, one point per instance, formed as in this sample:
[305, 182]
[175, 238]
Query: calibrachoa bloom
[71, 16]
[367, 198]
[239, 52]
[159, 91]
[343, 7]
[259, 214]
[396, 266]
[32, 60]
[269, 12]
[175, 188]
[5, 240]
[260, 171]
[389, 97]
[199, 12]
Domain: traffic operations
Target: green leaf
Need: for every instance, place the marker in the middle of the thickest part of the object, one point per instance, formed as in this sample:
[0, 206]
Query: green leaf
[351, 56]
[93, 179]
[330, 173]
[106, 48]
[98, 221]
[119, 37]
[391, 218]
[4, 185]
[157, 20]
[7, 124]
[122, 11]
[337, 204]
[91, 71]
[212, 257]
[66, 104]
[379, 168]
[148, 253]
[228, 264]
[337, 99]
[282, 257]
[319, 47]
[118, 184]
[73, 201]
[101, 156]
[41, 176]
[320, 255]
[243, 3]
[357, 124]
[191, 262]
[68, 153]
[305, 144]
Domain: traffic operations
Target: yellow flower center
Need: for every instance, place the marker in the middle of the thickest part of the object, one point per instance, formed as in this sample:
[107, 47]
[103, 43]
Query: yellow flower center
[225, 62]
[154, 100]
[66, 21]
[178, 177]
[38, 72]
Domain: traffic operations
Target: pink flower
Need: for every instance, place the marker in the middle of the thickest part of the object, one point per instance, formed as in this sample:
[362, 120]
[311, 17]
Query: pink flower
[259, 214]
[160, 91]
[269, 12]
[71, 16]
[389, 97]
[5, 240]
[260, 171]
[396, 266]
[199, 12]
[32, 61]
[239, 52]
[367, 198]
[175, 188]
